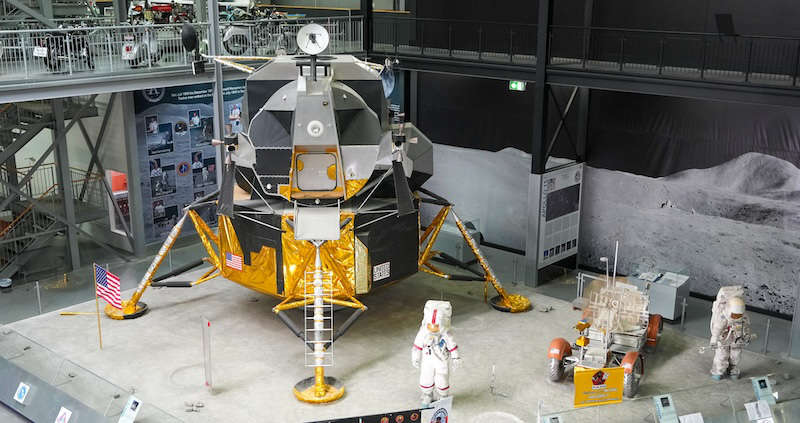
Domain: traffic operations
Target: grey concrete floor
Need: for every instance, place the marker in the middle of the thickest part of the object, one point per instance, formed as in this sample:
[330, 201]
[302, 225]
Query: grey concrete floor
[8, 415]
[256, 358]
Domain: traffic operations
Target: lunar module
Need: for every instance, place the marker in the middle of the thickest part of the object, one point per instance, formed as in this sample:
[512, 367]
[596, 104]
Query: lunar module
[319, 200]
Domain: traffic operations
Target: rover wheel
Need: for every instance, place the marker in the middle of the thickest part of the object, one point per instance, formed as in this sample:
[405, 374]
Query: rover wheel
[556, 370]
[630, 383]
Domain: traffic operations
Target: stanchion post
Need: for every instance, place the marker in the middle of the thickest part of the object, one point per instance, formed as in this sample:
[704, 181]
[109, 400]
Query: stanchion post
[207, 353]
[38, 297]
[683, 314]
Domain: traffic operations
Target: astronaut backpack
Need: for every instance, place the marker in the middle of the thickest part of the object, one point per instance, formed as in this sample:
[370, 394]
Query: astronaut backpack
[725, 294]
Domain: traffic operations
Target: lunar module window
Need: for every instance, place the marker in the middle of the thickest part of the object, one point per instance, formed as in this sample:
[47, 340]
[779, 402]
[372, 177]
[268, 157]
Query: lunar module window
[315, 171]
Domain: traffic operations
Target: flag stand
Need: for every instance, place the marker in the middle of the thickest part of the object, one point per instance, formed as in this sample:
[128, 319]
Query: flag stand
[97, 305]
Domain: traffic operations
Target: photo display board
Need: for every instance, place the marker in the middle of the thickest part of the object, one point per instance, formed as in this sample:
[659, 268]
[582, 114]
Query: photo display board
[560, 213]
[174, 128]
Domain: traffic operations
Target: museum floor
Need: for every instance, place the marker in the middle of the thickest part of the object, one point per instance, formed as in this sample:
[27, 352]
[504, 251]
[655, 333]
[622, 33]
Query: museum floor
[256, 360]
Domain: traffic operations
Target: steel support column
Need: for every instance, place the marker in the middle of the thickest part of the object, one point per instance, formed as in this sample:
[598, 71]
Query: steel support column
[413, 97]
[588, 15]
[214, 48]
[120, 11]
[65, 181]
[538, 144]
[583, 123]
[134, 174]
[366, 12]
[46, 6]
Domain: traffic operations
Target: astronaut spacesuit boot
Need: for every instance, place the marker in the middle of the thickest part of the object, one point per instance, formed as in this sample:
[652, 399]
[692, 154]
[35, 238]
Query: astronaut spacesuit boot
[730, 332]
[434, 348]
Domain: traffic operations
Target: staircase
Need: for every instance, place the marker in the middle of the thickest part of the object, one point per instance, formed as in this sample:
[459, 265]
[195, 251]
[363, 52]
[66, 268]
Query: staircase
[25, 230]
[20, 239]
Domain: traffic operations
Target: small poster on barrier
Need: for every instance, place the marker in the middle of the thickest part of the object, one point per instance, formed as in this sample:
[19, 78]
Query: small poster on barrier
[63, 416]
[22, 393]
[439, 412]
[598, 386]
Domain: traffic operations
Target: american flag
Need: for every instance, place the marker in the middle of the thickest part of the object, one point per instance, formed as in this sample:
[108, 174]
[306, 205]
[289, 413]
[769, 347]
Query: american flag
[107, 286]
[233, 261]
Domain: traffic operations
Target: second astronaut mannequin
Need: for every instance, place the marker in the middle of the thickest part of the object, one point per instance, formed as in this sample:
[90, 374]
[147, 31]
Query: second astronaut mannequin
[434, 348]
[730, 332]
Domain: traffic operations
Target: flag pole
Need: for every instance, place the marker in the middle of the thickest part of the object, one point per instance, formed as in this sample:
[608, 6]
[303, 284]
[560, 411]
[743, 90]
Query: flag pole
[97, 305]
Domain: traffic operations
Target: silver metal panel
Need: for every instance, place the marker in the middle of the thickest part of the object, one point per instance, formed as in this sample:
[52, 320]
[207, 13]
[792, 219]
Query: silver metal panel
[419, 149]
[345, 98]
[358, 161]
[384, 152]
[285, 68]
[316, 223]
[314, 121]
[245, 153]
[283, 99]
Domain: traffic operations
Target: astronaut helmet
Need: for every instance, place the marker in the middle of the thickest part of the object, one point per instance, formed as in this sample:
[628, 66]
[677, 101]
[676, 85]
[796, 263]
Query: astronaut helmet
[437, 316]
[736, 308]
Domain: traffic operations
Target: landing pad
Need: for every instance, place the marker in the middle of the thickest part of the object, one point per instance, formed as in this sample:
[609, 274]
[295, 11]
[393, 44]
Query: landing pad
[256, 360]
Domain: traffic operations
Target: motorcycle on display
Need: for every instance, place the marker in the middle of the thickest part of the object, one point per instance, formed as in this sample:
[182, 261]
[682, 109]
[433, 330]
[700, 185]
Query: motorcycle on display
[267, 32]
[65, 49]
[237, 36]
[140, 47]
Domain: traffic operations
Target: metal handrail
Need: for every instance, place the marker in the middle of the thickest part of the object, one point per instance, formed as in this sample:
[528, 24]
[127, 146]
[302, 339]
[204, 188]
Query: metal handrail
[411, 18]
[741, 59]
[590, 28]
[669, 32]
[98, 50]
[90, 28]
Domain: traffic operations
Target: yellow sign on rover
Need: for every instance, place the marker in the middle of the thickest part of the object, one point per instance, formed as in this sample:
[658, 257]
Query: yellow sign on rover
[598, 386]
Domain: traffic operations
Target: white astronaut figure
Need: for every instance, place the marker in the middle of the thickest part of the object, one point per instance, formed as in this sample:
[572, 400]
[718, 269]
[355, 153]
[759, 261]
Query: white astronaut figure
[730, 332]
[434, 348]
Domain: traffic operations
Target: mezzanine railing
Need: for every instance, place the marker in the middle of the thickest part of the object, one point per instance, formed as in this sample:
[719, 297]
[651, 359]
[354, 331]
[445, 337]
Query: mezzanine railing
[747, 59]
[38, 54]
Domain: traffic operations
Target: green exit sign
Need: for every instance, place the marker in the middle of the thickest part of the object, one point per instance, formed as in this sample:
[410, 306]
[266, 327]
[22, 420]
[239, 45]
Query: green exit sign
[516, 85]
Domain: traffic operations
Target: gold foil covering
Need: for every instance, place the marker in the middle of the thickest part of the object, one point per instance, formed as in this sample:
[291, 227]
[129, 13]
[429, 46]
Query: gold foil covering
[284, 191]
[260, 274]
[338, 257]
[206, 237]
[516, 303]
[353, 186]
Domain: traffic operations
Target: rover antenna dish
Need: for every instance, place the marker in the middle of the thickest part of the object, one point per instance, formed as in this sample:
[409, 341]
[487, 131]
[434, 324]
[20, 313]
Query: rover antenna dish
[313, 39]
